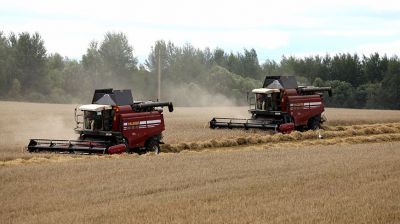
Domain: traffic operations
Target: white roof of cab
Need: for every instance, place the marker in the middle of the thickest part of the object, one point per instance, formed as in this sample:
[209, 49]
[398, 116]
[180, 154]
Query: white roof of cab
[95, 107]
[265, 91]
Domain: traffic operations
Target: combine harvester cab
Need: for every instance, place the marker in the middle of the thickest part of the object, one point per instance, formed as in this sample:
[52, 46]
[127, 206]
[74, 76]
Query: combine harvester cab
[112, 124]
[281, 105]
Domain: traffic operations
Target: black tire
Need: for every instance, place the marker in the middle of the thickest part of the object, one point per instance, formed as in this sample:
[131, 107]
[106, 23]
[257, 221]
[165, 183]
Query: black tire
[314, 123]
[153, 146]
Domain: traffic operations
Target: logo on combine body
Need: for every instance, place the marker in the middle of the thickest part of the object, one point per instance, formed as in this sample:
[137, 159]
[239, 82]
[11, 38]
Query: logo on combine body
[141, 124]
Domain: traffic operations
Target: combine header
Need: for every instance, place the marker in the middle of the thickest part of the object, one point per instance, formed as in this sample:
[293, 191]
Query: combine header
[113, 123]
[281, 105]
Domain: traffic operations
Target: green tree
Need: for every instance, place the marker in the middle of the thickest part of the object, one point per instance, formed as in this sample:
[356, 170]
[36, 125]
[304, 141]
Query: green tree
[55, 61]
[365, 95]
[117, 55]
[5, 62]
[220, 80]
[346, 67]
[15, 90]
[389, 94]
[343, 94]
[233, 63]
[55, 66]
[270, 67]
[92, 63]
[144, 84]
[251, 66]
[318, 82]
[374, 67]
[29, 58]
[288, 65]
[219, 57]
[76, 83]
[158, 53]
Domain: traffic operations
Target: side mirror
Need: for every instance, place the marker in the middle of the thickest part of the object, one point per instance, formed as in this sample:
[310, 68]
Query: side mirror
[248, 93]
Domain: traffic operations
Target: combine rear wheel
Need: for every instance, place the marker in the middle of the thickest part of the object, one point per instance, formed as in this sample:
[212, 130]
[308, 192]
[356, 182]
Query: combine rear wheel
[153, 146]
[314, 123]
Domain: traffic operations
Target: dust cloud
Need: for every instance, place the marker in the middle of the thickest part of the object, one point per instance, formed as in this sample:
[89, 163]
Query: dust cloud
[192, 95]
[22, 121]
[181, 94]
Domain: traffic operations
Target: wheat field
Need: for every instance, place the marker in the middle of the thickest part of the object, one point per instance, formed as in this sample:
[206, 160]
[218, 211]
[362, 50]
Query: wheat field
[214, 176]
[317, 184]
[191, 124]
[21, 121]
[186, 125]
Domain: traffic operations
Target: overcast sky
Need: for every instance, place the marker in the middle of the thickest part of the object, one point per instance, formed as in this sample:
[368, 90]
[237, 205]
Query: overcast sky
[273, 28]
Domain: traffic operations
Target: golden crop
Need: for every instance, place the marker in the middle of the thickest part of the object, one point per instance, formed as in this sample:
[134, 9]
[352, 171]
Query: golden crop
[219, 176]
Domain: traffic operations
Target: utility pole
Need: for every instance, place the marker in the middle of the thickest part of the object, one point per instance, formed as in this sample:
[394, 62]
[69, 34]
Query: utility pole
[159, 74]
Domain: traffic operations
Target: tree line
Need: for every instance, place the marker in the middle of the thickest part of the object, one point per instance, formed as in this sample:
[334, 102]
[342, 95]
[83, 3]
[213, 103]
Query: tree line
[190, 76]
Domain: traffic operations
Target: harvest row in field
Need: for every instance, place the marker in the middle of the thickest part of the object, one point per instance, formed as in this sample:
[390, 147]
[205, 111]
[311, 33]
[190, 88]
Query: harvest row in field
[21, 121]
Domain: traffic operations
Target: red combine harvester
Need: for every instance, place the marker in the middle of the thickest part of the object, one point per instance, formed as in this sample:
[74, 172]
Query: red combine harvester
[113, 123]
[281, 105]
